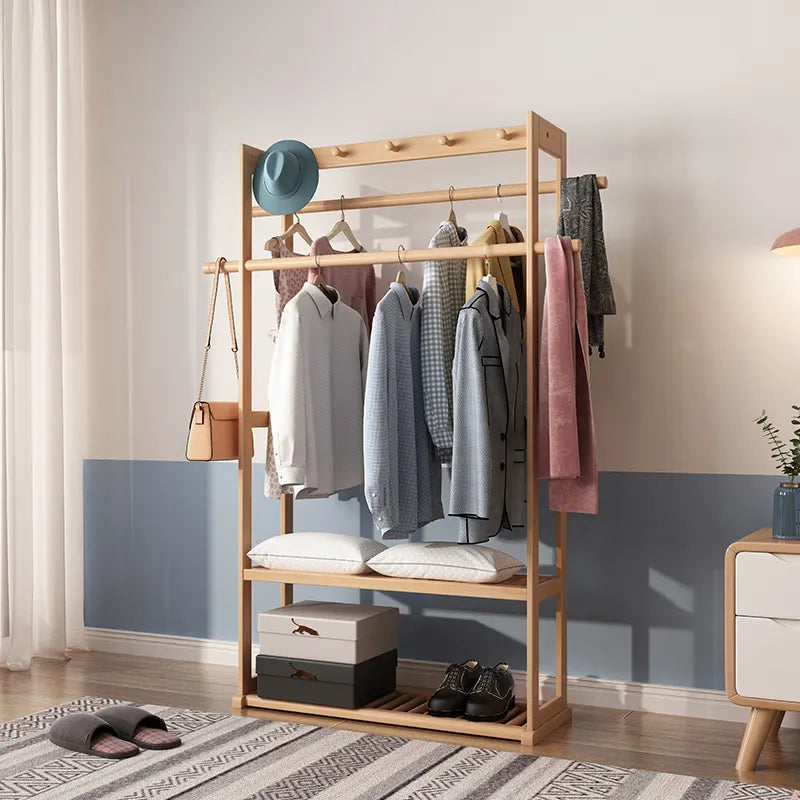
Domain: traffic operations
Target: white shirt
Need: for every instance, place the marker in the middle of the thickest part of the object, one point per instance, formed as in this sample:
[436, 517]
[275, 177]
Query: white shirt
[316, 394]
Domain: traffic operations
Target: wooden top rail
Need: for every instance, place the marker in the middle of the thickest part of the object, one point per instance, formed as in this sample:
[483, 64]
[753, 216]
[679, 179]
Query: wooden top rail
[387, 151]
[440, 145]
[384, 257]
[423, 198]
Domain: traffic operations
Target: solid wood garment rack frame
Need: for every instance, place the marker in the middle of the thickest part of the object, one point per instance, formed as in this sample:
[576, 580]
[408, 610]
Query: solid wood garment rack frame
[531, 720]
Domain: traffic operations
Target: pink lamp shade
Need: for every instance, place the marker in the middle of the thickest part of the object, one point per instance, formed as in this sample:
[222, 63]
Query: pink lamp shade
[787, 244]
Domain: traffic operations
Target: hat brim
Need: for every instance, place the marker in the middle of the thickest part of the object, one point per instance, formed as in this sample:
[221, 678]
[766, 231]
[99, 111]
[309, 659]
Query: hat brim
[309, 179]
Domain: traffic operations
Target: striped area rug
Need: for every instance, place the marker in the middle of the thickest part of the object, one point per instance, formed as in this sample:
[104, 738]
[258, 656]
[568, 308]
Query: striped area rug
[225, 757]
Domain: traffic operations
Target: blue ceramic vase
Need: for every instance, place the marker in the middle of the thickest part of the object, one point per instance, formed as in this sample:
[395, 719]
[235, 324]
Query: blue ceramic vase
[786, 511]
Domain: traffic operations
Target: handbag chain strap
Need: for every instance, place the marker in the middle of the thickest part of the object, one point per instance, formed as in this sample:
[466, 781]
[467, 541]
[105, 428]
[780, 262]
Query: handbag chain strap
[234, 346]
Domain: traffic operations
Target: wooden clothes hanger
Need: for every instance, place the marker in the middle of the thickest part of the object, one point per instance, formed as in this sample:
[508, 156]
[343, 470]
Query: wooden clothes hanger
[342, 227]
[401, 275]
[502, 217]
[487, 275]
[328, 291]
[274, 244]
[451, 217]
[297, 228]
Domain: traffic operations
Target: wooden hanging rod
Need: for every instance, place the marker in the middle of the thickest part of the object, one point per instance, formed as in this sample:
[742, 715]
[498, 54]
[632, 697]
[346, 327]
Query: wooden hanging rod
[423, 198]
[384, 257]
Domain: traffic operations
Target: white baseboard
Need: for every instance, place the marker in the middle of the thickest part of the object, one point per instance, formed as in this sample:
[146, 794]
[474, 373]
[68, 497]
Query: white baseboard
[160, 645]
[655, 698]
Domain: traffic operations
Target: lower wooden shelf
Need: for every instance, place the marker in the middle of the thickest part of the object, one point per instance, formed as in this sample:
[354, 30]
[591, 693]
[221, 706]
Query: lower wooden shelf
[515, 588]
[408, 709]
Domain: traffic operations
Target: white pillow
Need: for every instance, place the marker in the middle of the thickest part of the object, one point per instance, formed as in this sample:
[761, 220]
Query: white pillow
[316, 552]
[443, 561]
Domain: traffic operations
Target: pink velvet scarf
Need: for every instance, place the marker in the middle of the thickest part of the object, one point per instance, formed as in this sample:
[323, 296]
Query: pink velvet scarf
[566, 442]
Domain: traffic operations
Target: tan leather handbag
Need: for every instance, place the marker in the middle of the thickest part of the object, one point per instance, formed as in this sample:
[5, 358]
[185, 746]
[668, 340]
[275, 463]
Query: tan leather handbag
[214, 426]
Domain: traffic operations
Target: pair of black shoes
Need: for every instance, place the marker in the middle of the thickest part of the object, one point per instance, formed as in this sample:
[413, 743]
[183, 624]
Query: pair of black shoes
[479, 694]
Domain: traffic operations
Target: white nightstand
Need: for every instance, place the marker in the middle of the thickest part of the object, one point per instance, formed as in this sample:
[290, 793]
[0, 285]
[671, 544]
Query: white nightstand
[762, 635]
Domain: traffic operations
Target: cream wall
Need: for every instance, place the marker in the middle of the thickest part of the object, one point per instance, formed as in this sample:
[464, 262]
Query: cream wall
[689, 108]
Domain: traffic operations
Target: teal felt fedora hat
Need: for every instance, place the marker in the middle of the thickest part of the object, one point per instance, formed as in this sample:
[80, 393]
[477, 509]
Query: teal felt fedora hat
[285, 177]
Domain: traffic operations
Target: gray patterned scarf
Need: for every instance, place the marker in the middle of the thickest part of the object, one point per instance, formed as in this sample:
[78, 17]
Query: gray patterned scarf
[582, 218]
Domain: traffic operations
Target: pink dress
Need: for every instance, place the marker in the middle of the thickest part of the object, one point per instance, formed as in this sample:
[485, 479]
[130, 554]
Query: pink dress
[288, 282]
[356, 285]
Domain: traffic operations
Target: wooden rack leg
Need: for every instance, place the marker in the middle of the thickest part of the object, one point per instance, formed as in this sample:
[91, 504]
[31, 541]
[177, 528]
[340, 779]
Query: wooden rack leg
[561, 606]
[287, 526]
[287, 500]
[532, 350]
[248, 158]
[561, 516]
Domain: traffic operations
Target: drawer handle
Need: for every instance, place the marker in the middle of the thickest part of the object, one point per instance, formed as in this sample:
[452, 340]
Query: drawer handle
[792, 560]
[788, 624]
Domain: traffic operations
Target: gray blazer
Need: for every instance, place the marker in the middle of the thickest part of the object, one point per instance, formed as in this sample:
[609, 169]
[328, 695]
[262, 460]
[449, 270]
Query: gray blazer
[488, 469]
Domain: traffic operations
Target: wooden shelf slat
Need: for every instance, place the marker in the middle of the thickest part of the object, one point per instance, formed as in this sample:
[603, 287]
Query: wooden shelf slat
[512, 589]
[382, 700]
[396, 702]
[382, 716]
[414, 702]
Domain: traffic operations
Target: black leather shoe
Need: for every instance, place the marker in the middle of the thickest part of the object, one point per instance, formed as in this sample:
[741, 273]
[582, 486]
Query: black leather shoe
[493, 695]
[451, 696]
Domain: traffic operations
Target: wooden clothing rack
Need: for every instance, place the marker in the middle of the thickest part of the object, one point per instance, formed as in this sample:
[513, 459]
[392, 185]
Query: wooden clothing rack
[531, 720]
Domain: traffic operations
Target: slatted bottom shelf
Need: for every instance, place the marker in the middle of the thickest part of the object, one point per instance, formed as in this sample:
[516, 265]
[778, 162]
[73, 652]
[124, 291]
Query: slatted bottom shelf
[405, 709]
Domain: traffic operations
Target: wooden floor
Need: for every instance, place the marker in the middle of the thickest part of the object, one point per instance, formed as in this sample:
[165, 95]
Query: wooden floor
[626, 738]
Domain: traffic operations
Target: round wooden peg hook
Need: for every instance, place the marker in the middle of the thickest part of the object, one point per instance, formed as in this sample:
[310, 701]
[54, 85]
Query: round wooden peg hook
[445, 141]
[391, 147]
[502, 133]
[337, 151]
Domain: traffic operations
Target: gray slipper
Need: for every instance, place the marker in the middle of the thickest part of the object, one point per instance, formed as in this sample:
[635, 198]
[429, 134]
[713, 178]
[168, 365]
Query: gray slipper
[139, 727]
[86, 733]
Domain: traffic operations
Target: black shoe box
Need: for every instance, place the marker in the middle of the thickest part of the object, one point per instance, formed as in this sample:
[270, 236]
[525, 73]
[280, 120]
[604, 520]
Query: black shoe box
[326, 682]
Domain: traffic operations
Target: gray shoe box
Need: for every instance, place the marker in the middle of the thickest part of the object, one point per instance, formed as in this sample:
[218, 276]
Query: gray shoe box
[323, 631]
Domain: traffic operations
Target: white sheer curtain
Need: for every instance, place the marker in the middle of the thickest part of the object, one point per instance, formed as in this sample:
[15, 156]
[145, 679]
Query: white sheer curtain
[41, 372]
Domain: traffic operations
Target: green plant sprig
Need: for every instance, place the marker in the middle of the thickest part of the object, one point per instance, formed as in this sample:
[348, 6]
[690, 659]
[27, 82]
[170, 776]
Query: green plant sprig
[787, 457]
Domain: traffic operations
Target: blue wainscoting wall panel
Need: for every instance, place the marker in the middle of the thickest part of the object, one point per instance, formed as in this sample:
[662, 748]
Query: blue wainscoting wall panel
[645, 575]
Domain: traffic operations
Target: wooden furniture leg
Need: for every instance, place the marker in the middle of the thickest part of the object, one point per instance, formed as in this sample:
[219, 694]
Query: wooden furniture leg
[532, 691]
[776, 725]
[755, 735]
[287, 500]
[248, 158]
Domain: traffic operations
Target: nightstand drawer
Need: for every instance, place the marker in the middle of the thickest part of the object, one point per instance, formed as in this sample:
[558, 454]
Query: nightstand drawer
[767, 658]
[768, 585]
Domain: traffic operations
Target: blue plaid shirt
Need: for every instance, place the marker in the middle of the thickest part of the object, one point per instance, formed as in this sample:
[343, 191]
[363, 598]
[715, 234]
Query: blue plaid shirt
[443, 288]
[402, 480]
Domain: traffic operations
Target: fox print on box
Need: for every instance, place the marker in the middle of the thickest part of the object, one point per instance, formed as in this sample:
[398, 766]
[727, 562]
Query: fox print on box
[303, 629]
[302, 674]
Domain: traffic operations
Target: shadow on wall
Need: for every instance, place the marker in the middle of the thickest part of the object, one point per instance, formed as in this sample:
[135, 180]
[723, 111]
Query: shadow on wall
[652, 562]
[645, 575]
